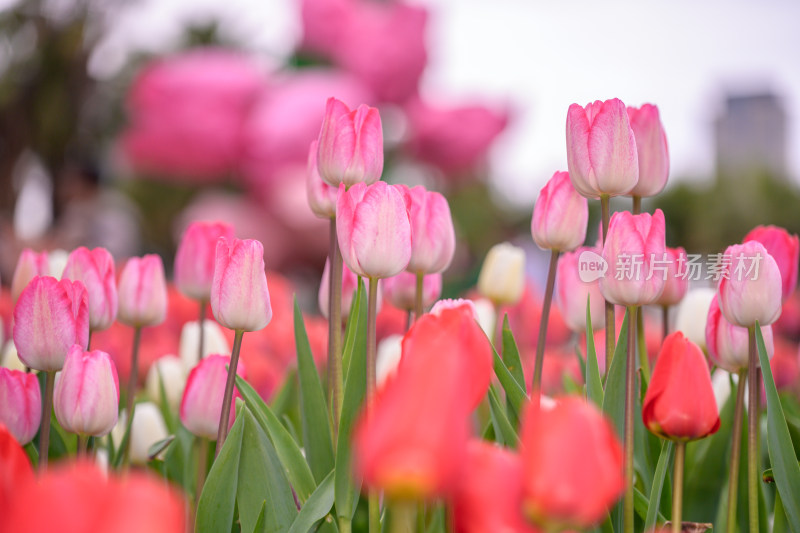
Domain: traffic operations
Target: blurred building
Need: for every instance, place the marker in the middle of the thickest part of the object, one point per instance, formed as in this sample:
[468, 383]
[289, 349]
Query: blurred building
[750, 137]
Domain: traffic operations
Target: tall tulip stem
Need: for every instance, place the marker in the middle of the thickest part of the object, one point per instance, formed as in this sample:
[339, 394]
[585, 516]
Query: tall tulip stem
[224, 417]
[630, 373]
[644, 361]
[133, 379]
[636, 204]
[335, 379]
[736, 450]
[418, 310]
[403, 517]
[373, 499]
[201, 328]
[47, 409]
[548, 300]
[664, 322]
[677, 493]
[83, 445]
[752, 432]
[610, 322]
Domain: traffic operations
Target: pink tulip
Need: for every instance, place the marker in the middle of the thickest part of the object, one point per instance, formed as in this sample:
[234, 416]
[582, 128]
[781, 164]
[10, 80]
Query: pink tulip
[194, 260]
[401, 290]
[95, 269]
[728, 345]
[29, 265]
[324, 24]
[350, 144]
[187, 112]
[373, 229]
[143, 292]
[201, 406]
[239, 293]
[651, 148]
[86, 397]
[433, 239]
[601, 149]
[50, 316]
[321, 196]
[349, 287]
[633, 249]
[21, 402]
[750, 290]
[676, 280]
[572, 293]
[456, 140]
[784, 249]
[560, 215]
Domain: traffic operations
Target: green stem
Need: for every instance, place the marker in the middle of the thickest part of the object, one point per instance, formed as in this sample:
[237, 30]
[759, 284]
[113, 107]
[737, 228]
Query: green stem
[335, 377]
[130, 406]
[548, 299]
[752, 432]
[644, 361]
[374, 506]
[224, 417]
[47, 409]
[664, 321]
[345, 525]
[83, 445]
[403, 517]
[636, 208]
[201, 328]
[677, 492]
[630, 372]
[736, 447]
[610, 323]
[373, 499]
[418, 308]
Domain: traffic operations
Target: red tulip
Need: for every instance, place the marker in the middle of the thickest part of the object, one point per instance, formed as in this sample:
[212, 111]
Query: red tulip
[784, 248]
[194, 260]
[572, 465]
[433, 239]
[95, 269]
[560, 215]
[651, 148]
[143, 292]
[21, 402]
[50, 316]
[201, 406]
[29, 265]
[15, 471]
[679, 403]
[750, 290]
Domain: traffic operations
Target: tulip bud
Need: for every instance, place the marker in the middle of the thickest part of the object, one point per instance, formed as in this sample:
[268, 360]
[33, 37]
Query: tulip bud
[572, 293]
[201, 406]
[679, 403]
[601, 149]
[86, 396]
[350, 145]
[21, 402]
[560, 215]
[502, 277]
[457, 303]
[633, 249]
[349, 287]
[676, 280]
[433, 239]
[194, 260]
[373, 229]
[214, 341]
[750, 289]
[784, 249]
[95, 269]
[29, 265]
[401, 290]
[148, 427]
[239, 293]
[321, 196]
[728, 345]
[168, 372]
[50, 316]
[572, 465]
[651, 149]
[143, 292]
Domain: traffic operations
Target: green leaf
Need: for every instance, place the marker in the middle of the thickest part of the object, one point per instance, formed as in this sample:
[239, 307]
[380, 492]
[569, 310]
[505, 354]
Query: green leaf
[781, 449]
[780, 524]
[658, 485]
[314, 409]
[288, 451]
[261, 478]
[261, 522]
[515, 394]
[511, 355]
[345, 487]
[355, 332]
[594, 382]
[614, 396]
[159, 446]
[217, 504]
[640, 505]
[316, 508]
[502, 426]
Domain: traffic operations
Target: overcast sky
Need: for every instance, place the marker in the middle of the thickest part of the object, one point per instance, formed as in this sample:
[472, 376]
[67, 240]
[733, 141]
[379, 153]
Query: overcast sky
[539, 57]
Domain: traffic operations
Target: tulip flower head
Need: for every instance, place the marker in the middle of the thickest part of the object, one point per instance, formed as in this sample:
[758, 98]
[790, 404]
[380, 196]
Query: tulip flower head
[239, 292]
[502, 277]
[50, 316]
[651, 149]
[95, 269]
[195, 258]
[784, 249]
[560, 215]
[572, 293]
[350, 145]
[433, 238]
[601, 149]
[728, 345]
[29, 265]
[679, 403]
[750, 290]
[201, 405]
[143, 292]
[400, 290]
[676, 280]
[321, 195]
[21, 403]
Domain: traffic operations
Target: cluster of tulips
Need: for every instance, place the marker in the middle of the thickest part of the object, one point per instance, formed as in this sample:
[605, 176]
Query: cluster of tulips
[442, 432]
